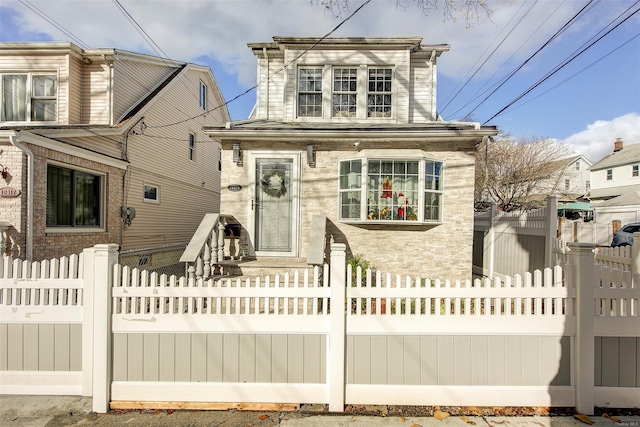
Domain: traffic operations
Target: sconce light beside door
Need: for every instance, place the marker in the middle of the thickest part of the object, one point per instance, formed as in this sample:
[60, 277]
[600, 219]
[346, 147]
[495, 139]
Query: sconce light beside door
[237, 154]
[311, 156]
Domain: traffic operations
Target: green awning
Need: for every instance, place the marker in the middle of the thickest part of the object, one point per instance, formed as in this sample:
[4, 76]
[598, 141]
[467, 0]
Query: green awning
[575, 206]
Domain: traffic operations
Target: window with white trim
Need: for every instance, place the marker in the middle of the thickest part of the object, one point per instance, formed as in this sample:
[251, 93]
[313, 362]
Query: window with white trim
[192, 147]
[310, 92]
[74, 198]
[634, 171]
[203, 95]
[609, 174]
[379, 92]
[29, 97]
[390, 190]
[151, 193]
[345, 92]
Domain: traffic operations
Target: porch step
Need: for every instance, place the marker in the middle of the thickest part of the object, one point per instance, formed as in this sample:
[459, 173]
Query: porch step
[261, 267]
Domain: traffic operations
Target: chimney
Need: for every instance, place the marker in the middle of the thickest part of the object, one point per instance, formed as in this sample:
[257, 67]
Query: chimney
[617, 145]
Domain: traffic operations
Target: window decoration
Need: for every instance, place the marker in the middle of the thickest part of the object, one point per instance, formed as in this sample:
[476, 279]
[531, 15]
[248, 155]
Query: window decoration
[272, 183]
[394, 190]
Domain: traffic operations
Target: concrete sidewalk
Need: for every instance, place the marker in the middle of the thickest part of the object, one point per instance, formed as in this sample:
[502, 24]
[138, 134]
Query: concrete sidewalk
[53, 411]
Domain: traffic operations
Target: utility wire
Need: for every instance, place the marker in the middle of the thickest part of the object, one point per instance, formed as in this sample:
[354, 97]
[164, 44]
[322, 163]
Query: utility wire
[539, 82]
[266, 79]
[560, 31]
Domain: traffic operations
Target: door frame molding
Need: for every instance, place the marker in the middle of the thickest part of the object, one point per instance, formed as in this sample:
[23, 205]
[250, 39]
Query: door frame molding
[295, 201]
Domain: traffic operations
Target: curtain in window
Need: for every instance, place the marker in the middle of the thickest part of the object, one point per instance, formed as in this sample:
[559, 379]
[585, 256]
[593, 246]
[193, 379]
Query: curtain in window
[44, 109]
[58, 196]
[14, 92]
[87, 199]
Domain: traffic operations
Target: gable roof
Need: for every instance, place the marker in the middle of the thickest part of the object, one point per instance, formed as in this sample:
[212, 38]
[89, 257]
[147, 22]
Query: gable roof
[631, 198]
[629, 154]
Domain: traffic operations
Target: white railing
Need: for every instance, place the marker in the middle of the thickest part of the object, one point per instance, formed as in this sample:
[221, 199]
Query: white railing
[206, 248]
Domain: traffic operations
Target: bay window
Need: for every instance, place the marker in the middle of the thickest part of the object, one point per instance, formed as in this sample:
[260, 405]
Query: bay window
[74, 198]
[29, 97]
[390, 190]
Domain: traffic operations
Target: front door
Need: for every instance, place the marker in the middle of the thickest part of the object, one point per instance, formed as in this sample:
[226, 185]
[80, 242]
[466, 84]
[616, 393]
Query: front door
[275, 204]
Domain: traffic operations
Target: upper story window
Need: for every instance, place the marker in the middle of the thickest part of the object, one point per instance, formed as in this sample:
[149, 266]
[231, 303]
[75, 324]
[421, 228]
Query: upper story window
[192, 146]
[29, 97]
[310, 92]
[634, 171]
[577, 165]
[345, 92]
[74, 198]
[609, 174]
[390, 190]
[203, 95]
[567, 184]
[379, 93]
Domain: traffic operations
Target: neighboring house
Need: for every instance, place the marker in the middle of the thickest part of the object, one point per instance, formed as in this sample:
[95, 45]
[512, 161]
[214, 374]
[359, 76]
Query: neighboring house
[103, 146]
[347, 128]
[616, 174]
[624, 208]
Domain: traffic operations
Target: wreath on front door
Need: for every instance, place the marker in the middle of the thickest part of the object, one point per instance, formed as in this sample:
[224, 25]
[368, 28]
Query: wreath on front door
[272, 183]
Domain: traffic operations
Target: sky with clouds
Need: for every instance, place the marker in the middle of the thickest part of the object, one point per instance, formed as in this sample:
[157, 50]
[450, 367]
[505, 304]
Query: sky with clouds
[586, 104]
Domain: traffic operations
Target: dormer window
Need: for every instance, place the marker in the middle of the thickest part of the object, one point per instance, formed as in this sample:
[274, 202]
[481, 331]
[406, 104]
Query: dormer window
[29, 97]
[310, 92]
[345, 92]
[379, 94]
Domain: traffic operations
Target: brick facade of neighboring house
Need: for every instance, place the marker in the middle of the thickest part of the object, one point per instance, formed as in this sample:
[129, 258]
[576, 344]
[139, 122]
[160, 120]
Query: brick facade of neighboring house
[351, 128]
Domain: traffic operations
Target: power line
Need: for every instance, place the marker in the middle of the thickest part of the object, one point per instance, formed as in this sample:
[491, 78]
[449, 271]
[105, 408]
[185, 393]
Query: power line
[557, 33]
[565, 63]
[266, 79]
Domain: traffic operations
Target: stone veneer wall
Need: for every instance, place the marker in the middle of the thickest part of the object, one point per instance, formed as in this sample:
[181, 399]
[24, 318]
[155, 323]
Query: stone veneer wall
[434, 251]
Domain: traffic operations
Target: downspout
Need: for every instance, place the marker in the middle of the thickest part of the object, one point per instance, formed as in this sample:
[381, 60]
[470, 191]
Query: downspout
[29, 232]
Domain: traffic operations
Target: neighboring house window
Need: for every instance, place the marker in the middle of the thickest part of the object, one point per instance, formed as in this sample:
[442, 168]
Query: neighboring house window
[567, 184]
[192, 146]
[203, 95]
[74, 198]
[379, 93]
[587, 185]
[609, 174]
[634, 171]
[577, 165]
[345, 89]
[220, 159]
[310, 92]
[151, 193]
[394, 190]
[29, 97]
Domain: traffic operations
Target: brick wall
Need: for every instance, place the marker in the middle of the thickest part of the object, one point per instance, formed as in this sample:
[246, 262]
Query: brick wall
[48, 245]
[435, 251]
[14, 209]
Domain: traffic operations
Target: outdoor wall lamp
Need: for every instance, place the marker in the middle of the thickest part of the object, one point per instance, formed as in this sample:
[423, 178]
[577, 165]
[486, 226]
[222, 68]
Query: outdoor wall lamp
[4, 171]
[237, 154]
[311, 156]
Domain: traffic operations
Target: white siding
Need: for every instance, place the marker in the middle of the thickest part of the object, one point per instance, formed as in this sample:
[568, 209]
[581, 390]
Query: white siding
[421, 92]
[133, 81]
[95, 93]
[75, 90]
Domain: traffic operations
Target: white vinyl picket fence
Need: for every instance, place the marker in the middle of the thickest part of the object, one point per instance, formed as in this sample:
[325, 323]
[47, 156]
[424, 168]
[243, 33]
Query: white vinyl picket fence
[566, 336]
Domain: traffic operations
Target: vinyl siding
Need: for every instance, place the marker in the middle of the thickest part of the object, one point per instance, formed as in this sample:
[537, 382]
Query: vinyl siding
[421, 92]
[133, 81]
[102, 144]
[95, 94]
[43, 63]
[75, 90]
[160, 156]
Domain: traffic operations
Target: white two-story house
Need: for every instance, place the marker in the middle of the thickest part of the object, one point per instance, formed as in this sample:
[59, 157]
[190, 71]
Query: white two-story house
[103, 146]
[347, 129]
[617, 173]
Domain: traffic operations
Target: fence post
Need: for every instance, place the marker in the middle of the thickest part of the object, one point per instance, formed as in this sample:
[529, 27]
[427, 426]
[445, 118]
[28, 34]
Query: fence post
[337, 332]
[98, 276]
[635, 261]
[551, 230]
[581, 260]
[493, 211]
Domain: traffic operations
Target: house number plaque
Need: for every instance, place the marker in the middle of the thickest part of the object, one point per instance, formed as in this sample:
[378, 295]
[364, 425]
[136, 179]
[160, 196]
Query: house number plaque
[9, 192]
[234, 187]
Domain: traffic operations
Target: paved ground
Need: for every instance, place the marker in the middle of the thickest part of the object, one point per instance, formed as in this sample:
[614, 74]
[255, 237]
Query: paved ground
[54, 411]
